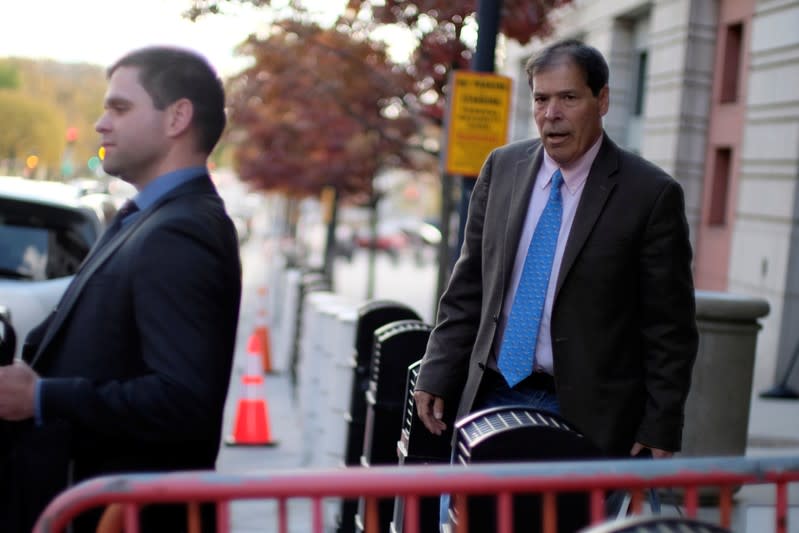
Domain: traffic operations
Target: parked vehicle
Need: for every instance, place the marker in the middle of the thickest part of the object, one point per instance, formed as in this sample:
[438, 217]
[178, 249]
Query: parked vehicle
[395, 236]
[45, 233]
[388, 238]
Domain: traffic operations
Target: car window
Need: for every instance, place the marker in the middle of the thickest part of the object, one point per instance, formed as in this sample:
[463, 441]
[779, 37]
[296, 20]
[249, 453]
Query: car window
[40, 242]
[24, 252]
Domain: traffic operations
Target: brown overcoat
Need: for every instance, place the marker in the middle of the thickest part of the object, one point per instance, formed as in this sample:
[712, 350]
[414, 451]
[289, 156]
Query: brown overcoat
[623, 322]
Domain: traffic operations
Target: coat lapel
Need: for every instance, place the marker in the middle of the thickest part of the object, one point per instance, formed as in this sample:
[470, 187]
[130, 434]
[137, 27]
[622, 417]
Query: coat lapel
[82, 277]
[601, 181]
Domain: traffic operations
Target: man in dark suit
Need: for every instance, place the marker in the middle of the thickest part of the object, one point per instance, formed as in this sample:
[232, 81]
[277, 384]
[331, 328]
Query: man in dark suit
[130, 372]
[615, 338]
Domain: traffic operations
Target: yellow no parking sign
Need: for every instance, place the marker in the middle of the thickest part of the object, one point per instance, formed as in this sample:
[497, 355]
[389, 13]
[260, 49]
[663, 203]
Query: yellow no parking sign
[479, 109]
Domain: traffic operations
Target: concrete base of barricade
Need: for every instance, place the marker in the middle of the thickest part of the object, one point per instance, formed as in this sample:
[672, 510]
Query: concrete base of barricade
[336, 438]
[286, 330]
[315, 373]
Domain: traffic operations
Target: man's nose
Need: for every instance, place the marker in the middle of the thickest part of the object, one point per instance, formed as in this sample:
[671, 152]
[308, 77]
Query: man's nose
[102, 124]
[553, 109]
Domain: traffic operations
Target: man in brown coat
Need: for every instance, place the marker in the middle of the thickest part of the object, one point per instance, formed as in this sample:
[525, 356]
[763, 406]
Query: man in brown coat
[615, 339]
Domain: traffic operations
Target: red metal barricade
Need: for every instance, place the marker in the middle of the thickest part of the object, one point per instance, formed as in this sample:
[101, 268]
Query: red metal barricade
[413, 482]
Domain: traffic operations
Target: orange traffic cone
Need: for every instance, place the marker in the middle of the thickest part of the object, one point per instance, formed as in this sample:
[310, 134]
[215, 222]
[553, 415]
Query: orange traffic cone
[251, 425]
[262, 331]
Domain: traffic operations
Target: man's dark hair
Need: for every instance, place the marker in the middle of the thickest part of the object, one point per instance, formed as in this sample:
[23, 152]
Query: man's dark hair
[169, 74]
[587, 58]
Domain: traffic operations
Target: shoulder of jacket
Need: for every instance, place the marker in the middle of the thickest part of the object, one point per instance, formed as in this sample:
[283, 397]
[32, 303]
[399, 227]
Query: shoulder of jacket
[642, 168]
[523, 145]
[516, 150]
[188, 211]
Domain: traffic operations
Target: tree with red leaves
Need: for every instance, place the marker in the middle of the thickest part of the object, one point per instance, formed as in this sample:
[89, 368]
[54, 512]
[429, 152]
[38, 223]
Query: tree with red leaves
[318, 108]
[438, 27]
[326, 106]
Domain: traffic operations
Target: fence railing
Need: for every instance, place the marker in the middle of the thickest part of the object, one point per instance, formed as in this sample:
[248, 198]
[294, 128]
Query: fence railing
[413, 482]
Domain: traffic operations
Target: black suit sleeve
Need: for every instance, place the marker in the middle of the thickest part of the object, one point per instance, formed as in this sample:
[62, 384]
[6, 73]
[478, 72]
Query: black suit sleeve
[667, 320]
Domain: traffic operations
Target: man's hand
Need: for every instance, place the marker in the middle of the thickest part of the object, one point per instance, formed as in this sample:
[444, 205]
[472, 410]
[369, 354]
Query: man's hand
[656, 452]
[431, 411]
[17, 390]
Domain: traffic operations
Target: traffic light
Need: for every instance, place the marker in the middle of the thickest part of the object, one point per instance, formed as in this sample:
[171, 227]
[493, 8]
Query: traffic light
[32, 161]
[93, 163]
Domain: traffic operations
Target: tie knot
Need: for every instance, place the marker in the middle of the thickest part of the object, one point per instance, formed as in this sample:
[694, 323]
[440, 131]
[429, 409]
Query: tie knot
[128, 208]
[557, 181]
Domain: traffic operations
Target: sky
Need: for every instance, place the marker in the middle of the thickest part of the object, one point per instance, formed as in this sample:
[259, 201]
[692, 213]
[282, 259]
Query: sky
[101, 31]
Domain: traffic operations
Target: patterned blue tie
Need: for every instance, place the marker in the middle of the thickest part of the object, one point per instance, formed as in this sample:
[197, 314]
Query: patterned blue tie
[517, 354]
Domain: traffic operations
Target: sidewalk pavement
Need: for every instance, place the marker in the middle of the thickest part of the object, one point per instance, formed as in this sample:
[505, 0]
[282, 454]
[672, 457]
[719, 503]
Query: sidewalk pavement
[773, 432]
[773, 426]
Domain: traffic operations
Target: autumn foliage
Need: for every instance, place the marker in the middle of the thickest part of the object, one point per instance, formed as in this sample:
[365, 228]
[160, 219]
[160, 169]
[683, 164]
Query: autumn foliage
[439, 27]
[519, 19]
[318, 107]
[326, 106]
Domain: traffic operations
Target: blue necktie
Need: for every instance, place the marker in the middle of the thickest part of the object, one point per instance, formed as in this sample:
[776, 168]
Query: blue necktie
[517, 354]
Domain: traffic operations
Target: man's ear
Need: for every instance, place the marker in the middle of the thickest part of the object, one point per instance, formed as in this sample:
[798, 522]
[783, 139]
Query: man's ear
[604, 100]
[179, 115]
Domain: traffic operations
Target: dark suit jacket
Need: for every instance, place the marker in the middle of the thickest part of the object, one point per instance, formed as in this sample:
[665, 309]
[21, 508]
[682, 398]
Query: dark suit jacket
[138, 355]
[623, 319]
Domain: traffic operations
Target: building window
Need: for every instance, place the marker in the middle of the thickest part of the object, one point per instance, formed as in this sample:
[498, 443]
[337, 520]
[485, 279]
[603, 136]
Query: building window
[640, 84]
[733, 47]
[722, 165]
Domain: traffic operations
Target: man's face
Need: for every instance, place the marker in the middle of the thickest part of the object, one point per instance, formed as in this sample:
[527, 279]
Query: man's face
[132, 130]
[568, 115]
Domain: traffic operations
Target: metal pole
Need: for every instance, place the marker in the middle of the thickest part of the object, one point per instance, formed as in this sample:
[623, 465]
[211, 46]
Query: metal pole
[488, 14]
[488, 27]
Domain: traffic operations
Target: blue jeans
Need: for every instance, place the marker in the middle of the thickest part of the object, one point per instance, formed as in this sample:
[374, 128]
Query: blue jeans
[494, 392]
